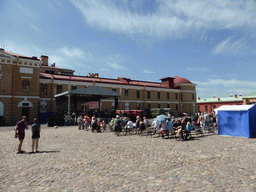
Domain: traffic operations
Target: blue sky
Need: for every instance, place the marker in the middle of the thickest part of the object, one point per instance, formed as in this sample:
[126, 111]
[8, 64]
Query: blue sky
[211, 43]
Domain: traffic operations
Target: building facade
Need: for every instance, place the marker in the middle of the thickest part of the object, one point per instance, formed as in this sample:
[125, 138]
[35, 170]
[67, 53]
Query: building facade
[19, 90]
[209, 104]
[28, 86]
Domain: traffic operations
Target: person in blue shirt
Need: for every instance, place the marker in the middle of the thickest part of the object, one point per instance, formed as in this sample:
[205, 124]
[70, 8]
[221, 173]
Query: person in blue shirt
[36, 130]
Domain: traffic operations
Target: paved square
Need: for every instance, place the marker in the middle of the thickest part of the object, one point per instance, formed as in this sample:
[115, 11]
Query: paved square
[75, 160]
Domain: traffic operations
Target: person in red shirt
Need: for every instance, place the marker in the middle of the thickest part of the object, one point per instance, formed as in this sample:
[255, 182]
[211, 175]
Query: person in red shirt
[20, 132]
[99, 125]
[86, 121]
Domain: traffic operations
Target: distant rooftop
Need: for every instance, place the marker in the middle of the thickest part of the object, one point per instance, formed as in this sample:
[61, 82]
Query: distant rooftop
[20, 56]
[225, 99]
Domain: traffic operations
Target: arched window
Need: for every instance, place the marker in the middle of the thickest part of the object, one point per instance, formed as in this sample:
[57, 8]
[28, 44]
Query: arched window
[206, 108]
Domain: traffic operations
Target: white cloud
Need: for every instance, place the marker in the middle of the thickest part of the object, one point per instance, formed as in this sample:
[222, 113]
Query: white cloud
[83, 62]
[72, 52]
[146, 71]
[231, 47]
[35, 27]
[172, 18]
[116, 65]
[222, 87]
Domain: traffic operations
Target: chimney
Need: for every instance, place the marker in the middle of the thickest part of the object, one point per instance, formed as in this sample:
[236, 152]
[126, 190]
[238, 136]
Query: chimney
[213, 96]
[198, 98]
[235, 95]
[218, 99]
[168, 82]
[53, 64]
[240, 95]
[45, 60]
[1, 49]
[231, 95]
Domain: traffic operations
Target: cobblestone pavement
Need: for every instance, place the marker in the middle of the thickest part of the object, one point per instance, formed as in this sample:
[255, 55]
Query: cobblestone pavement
[75, 160]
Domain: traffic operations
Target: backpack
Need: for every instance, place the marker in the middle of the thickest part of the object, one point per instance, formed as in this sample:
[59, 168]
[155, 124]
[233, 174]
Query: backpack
[189, 127]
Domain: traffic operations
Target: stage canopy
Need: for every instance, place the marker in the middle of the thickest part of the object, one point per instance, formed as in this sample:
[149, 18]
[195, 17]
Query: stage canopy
[89, 94]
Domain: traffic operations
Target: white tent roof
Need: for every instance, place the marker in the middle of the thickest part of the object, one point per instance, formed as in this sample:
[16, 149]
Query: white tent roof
[233, 108]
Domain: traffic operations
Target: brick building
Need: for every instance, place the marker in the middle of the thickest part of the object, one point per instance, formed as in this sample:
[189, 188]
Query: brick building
[28, 86]
[209, 104]
[19, 90]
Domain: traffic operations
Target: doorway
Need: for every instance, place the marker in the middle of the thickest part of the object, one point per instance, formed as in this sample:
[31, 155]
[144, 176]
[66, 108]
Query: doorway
[25, 112]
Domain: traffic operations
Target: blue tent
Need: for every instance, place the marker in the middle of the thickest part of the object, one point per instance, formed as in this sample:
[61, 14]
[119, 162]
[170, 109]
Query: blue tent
[237, 120]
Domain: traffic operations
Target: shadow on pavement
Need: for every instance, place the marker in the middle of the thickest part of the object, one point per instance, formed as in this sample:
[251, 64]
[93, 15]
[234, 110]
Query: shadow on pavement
[30, 153]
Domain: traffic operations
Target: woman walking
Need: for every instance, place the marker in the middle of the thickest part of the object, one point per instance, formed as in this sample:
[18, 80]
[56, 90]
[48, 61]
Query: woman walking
[36, 129]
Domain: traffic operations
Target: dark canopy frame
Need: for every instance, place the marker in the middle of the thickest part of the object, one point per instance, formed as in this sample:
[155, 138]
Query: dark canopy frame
[90, 93]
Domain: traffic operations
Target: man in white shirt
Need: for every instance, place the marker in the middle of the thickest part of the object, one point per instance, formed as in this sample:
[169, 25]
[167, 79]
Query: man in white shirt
[206, 119]
[129, 125]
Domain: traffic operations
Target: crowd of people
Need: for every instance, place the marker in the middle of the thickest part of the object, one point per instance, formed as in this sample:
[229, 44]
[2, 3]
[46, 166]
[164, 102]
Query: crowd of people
[181, 126]
[204, 119]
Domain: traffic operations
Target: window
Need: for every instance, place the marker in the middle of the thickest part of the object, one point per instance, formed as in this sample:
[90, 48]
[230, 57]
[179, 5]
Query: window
[114, 90]
[149, 106]
[213, 106]
[148, 94]
[176, 96]
[47, 71]
[181, 98]
[158, 95]
[25, 86]
[138, 94]
[177, 107]
[168, 95]
[73, 87]
[168, 105]
[198, 108]
[138, 106]
[126, 93]
[159, 105]
[43, 90]
[59, 89]
[193, 96]
[206, 108]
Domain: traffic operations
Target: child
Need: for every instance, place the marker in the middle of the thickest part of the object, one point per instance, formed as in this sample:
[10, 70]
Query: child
[103, 125]
[36, 129]
[80, 122]
[99, 123]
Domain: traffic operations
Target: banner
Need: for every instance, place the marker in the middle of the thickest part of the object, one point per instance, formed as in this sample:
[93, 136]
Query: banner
[94, 105]
[91, 105]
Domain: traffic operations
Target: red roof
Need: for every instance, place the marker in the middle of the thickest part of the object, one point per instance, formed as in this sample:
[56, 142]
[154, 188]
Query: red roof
[103, 80]
[181, 80]
[21, 56]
